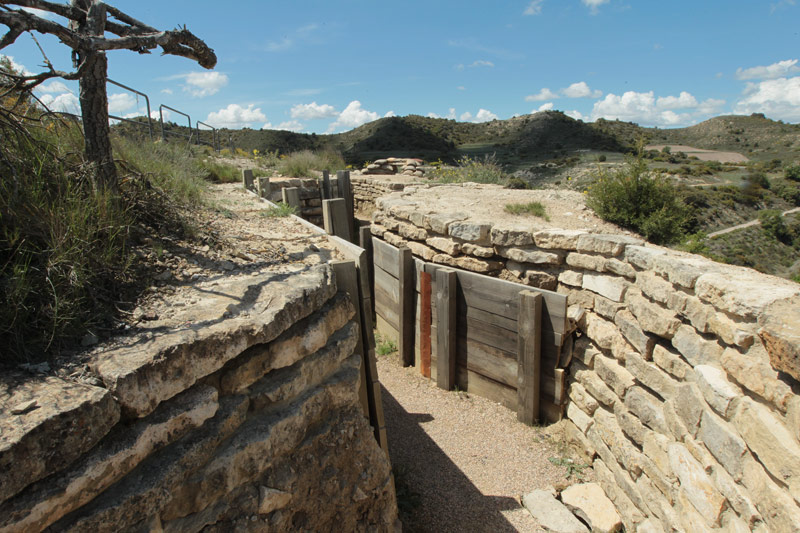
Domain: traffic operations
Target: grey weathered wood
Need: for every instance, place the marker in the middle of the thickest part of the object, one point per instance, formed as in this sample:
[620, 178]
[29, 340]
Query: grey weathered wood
[365, 241]
[473, 329]
[346, 192]
[291, 197]
[529, 356]
[407, 314]
[385, 256]
[247, 179]
[386, 309]
[387, 284]
[446, 329]
[334, 218]
[326, 186]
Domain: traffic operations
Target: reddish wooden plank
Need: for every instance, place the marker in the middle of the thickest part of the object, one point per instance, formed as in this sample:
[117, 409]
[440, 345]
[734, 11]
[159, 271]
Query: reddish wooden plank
[425, 325]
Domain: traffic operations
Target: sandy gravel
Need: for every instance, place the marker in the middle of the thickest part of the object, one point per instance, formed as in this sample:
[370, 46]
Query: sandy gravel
[467, 457]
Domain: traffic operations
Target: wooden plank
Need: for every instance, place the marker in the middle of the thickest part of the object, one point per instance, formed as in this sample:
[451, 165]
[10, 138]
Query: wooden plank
[365, 241]
[291, 197]
[499, 321]
[385, 256]
[425, 325]
[529, 351]
[446, 322]
[326, 186]
[386, 330]
[346, 192]
[474, 383]
[488, 334]
[386, 309]
[407, 316]
[334, 217]
[488, 361]
[560, 393]
[387, 284]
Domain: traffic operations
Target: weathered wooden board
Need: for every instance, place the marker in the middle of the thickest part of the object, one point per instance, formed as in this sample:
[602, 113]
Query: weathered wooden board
[386, 257]
[386, 330]
[386, 309]
[474, 329]
[390, 285]
[446, 333]
[488, 361]
[529, 353]
[474, 383]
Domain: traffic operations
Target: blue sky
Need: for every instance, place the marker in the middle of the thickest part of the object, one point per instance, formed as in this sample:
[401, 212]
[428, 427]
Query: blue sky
[329, 66]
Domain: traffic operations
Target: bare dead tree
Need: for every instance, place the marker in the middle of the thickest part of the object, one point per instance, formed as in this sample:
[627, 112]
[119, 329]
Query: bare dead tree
[89, 23]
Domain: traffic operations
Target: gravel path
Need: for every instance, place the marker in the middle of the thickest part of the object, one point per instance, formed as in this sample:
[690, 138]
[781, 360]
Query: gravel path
[467, 459]
[748, 224]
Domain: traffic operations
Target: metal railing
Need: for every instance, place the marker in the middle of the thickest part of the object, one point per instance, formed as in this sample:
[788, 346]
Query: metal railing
[161, 109]
[214, 136]
[147, 101]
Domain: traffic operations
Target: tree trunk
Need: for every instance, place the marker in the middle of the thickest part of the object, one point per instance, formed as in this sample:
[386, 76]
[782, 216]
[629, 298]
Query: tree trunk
[94, 111]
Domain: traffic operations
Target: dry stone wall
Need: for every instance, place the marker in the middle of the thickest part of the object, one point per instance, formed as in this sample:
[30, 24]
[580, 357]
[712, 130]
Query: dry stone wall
[239, 414]
[366, 191]
[684, 375]
[308, 189]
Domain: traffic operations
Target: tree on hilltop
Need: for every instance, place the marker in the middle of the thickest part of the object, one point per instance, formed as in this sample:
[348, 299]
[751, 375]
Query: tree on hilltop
[89, 23]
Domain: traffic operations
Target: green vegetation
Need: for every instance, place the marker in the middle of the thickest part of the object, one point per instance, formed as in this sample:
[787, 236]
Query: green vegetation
[574, 470]
[302, 164]
[532, 208]
[282, 210]
[220, 172]
[636, 198]
[792, 172]
[485, 170]
[385, 346]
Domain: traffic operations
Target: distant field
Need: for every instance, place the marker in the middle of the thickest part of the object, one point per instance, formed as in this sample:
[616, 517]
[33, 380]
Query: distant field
[702, 155]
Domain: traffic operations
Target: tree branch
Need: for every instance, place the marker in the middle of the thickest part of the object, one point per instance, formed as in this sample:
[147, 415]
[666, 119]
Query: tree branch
[176, 42]
[65, 10]
[19, 21]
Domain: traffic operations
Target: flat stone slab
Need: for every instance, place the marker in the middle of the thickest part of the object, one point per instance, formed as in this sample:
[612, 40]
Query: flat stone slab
[228, 317]
[551, 514]
[588, 501]
[46, 423]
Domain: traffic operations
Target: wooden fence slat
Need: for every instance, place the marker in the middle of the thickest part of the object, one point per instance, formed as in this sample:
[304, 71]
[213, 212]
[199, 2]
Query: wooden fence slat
[365, 241]
[386, 309]
[291, 197]
[407, 318]
[326, 186]
[499, 338]
[388, 284]
[446, 321]
[425, 324]
[346, 192]
[334, 218]
[386, 256]
[529, 356]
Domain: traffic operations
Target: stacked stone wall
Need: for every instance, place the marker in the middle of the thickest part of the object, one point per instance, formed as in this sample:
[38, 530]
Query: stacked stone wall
[242, 414]
[366, 191]
[310, 196]
[684, 375]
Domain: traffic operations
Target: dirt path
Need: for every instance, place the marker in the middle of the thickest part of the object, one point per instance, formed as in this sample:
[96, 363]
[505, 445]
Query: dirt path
[462, 462]
[748, 224]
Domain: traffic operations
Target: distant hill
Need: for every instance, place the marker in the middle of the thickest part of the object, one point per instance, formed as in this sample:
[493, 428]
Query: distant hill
[521, 141]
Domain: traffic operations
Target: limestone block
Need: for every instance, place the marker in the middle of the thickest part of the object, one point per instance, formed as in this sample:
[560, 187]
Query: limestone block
[584, 351]
[777, 508]
[390, 223]
[723, 442]
[477, 251]
[780, 332]
[677, 428]
[689, 518]
[629, 424]
[141, 373]
[730, 332]
[698, 313]
[619, 268]
[558, 239]
[606, 244]
[531, 255]
[443, 244]
[610, 434]
[657, 504]
[45, 502]
[579, 396]
[650, 526]
[620, 348]
[474, 232]
[734, 524]
[701, 453]
[606, 286]
[477, 265]
[590, 503]
[630, 514]
[606, 308]
[695, 348]
[754, 372]
[587, 262]
[600, 331]
[444, 259]
[270, 499]
[505, 234]
[420, 250]
[743, 293]
[582, 298]
[643, 257]
[580, 445]
[650, 376]
[409, 231]
[571, 278]
[736, 495]
[394, 240]
[440, 222]
[417, 217]
[550, 513]
[46, 423]
[671, 362]
[775, 446]
[721, 394]
[540, 279]
[632, 331]
[578, 417]
[614, 375]
[596, 387]
[647, 407]
[652, 317]
[654, 286]
[655, 446]
[377, 229]
[689, 405]
[697, 486]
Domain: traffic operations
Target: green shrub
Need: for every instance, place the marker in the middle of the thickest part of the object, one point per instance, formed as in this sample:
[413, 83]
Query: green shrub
[282, 210]
[486, 170]
[792, 172]
[638, 199]
[773, 225]
[532, 208]
[220, 172]
[602, 158]
[302, 164]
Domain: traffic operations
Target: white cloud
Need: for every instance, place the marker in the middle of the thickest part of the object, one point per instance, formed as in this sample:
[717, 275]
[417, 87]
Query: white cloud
[54, 87]
[545, 107]
[353, 116]
[461, 88]
[541, 96]
[683, 101]
[594, 5]
[200, 84]
[40, 13]
[481, 63]
[120, 102]
[534, 8]
[781, 69]
[711, 106]
[466, 117]
[18, 67]
[641, 108]
[581, 90]
[781, 4]
[389, 114]
[779, 99]
[166, 91]
[313, 111]
[66, 103]
[155, 115]
[577, 115]
[483, 115]
[235, 116]
[289, 125]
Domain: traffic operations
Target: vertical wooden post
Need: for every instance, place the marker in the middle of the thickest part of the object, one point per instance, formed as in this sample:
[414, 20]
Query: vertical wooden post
[346, 192]
[407, 311]
[425, 325]
[291, 197]
[326, 185]
[334, 218]
[347, 281]
[365, 241]
[263, 187]
[529, 344]
[247, 179]
[446, 329]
